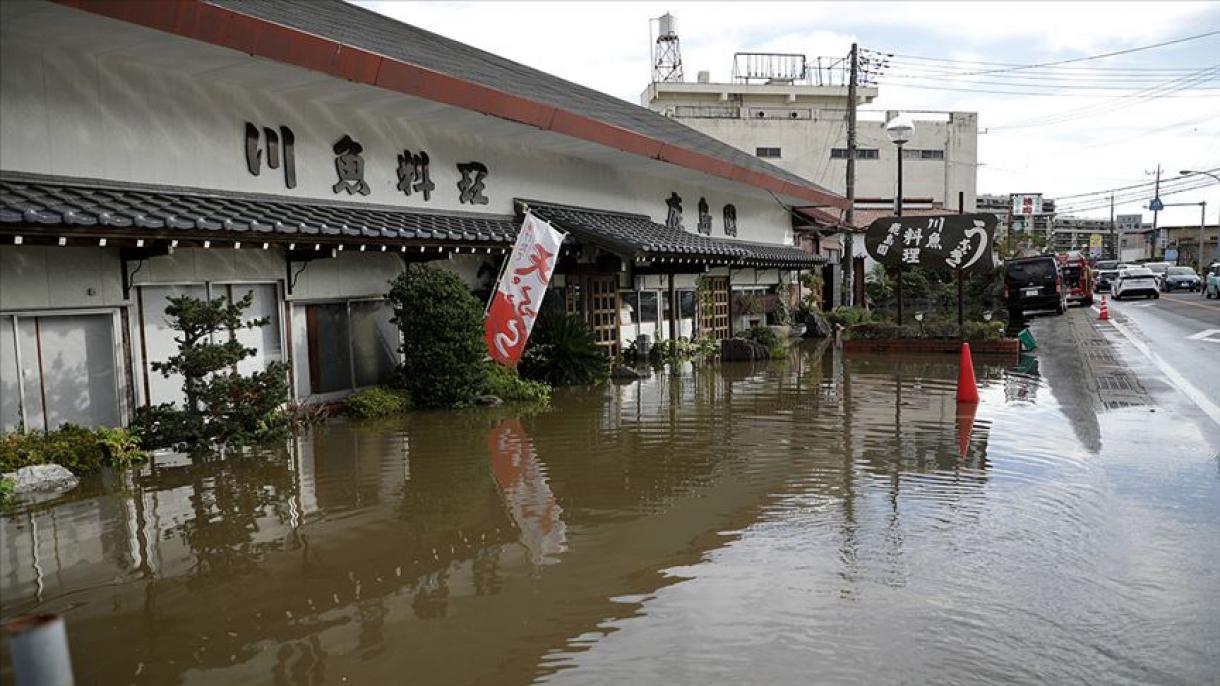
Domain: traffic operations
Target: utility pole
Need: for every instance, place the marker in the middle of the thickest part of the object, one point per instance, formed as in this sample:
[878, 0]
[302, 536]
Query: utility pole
[1156, 195]
[848, 259]
[1113, 235]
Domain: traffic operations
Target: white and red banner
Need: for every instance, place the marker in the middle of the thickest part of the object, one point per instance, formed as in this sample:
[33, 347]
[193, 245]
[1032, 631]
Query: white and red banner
[514, 305]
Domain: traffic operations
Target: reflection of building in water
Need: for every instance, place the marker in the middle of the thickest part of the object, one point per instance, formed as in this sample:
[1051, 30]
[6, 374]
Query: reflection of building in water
[523, 482]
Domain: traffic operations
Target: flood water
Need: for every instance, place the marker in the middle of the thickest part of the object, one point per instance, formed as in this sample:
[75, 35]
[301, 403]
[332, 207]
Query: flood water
[823, 520]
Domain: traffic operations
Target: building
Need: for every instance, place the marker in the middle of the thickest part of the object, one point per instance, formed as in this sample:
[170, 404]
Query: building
[1082, 234]
[308, 153]
[1021, 225]
[1183, 244]
[785, 110]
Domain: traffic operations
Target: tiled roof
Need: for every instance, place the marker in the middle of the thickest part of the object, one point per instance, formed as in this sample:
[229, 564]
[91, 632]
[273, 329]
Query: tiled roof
[367, 30]
[637, 236]
[52, 201]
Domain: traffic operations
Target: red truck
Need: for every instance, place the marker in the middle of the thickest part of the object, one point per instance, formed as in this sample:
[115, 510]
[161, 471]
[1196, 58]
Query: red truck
[1078, 277]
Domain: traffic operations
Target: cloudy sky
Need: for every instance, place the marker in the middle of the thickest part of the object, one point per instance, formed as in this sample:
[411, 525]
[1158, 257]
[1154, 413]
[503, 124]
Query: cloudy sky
[1093, 125]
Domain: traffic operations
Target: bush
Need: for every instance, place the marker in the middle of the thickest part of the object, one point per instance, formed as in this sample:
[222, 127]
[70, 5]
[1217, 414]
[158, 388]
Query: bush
[6, 490]
[872, 331]
[848, 316]
[75, 448]
[442, 332]
[762, 335]
[983, 331]
[507, 384]
[221, 405]
[562, 350]
[683, 349]
[378, 402]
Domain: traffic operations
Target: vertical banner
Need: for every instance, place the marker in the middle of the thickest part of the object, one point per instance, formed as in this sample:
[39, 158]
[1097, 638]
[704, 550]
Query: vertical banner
[514, 305]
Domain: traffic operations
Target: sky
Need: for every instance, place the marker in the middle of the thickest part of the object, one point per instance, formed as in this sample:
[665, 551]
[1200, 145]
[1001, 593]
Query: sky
[1077, 139]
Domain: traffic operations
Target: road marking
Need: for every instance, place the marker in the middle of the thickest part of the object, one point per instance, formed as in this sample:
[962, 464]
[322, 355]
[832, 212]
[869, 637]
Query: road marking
[1209, 335]
[1188, 389]
[1212, 308]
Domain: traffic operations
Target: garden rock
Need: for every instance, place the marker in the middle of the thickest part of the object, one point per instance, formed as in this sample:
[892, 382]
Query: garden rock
[488, 400]
[742, 350]
[816, 326]
[42, 478]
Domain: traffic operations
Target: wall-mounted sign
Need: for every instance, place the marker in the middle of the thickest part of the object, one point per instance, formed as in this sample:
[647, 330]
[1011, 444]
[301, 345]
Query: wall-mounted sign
[1129, 222]
[956, 241]
[1095, 240]
[279, 145]
[1025, 204]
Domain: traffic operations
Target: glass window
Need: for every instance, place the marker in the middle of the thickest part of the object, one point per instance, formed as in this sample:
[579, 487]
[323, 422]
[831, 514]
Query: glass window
[648, 307]
[686, 304]
[330, 362]
[767, 152]
[374, 342]
[629, 307]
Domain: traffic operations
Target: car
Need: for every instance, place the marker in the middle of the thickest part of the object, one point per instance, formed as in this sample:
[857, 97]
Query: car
[1135, 281]
[1105, 276]
[1158, 270]
[1183, 278]
[1034, 283]
[1211, 289]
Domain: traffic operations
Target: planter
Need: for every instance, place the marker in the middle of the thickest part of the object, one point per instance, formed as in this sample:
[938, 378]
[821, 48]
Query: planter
[1010, 347]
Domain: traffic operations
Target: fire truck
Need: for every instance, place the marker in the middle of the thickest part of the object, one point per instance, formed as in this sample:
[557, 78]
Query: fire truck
[1077, 276]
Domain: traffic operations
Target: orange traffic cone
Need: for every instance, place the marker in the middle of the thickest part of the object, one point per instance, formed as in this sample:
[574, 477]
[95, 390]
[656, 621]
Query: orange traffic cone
[1105, 310]
[967, 388]
[965, 426]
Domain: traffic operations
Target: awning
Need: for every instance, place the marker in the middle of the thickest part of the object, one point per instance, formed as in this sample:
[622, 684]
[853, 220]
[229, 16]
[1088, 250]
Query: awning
[55, 206]
[635, 237]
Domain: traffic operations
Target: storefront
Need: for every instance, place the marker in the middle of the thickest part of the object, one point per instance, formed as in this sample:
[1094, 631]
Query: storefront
[307, 157]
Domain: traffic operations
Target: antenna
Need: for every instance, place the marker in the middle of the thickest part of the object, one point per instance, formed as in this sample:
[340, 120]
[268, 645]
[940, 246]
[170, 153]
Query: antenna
[666, 52]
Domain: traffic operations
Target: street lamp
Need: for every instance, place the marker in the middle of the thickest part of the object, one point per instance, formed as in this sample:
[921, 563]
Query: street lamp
[899, 130]
[1203, 216]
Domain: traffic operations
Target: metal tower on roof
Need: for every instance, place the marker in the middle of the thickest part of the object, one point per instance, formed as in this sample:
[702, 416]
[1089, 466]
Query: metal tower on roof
[666, 51]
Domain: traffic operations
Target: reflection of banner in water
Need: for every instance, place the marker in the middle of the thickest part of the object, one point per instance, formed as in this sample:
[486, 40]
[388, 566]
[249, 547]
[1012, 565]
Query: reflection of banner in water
[530, 501]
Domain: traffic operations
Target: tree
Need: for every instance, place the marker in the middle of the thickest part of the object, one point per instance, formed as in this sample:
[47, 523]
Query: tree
[221, 405]
[442, 333]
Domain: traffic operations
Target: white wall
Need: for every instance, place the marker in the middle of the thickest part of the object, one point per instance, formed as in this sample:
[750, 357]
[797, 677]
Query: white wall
[109, 115]
[35, 278]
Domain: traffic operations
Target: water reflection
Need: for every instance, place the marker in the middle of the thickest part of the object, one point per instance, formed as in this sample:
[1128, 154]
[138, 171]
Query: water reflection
[721, 504]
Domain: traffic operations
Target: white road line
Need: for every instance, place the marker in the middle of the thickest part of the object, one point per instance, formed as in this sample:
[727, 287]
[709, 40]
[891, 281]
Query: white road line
[1208, 335]
[1188, 389]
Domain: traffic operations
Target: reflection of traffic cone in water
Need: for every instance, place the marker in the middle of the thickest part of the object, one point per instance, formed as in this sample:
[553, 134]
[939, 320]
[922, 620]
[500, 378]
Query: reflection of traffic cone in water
[965, 426]
[967, 389]
[1105, 310]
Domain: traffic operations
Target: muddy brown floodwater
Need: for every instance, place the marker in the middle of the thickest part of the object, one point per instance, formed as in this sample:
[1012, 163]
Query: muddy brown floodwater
[827, 519]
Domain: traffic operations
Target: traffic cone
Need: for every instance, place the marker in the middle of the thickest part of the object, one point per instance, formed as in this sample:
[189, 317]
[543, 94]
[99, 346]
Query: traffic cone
[1105, 310]
[967, 388]
[965, 426]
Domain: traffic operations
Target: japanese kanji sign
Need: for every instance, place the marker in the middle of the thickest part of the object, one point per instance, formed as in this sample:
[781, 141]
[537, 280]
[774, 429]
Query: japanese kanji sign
[514, 305]
[956, 241]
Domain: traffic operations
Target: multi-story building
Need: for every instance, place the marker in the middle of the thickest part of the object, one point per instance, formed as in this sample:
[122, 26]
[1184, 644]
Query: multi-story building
[1000, 205]
[1077, 233]
[794, 116]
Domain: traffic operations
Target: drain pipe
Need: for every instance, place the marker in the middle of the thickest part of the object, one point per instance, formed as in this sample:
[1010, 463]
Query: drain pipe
[39, 649]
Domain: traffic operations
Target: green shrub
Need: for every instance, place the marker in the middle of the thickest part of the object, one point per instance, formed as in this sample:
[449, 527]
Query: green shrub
[872, 331]
[762, 335]
[848, 316]
[562, 350]
[683, 348]
[75, 448]
[6, 490]
[983, 331]
[221, 406]
[507, 384]
[442, 332]
[379, 402]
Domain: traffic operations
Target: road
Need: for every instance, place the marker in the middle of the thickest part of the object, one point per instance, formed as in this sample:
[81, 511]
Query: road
[1183, 329]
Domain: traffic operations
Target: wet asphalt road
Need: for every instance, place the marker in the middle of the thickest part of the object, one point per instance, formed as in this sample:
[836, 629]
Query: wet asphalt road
[1183, 329]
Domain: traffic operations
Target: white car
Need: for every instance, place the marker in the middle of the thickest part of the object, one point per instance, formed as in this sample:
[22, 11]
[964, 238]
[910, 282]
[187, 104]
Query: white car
[1136, 281]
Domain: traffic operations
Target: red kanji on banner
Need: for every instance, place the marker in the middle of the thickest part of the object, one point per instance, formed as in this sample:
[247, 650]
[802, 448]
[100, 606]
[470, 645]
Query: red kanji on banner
[514, 305]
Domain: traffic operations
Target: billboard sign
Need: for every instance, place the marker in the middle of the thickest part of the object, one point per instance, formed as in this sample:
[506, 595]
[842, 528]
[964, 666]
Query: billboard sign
[1095, 240]
[956, 241]
[1129, 222]
[1026, 204]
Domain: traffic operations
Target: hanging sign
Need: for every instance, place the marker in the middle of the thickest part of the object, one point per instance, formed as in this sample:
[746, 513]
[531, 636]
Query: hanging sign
[955, 241]
[514, 305]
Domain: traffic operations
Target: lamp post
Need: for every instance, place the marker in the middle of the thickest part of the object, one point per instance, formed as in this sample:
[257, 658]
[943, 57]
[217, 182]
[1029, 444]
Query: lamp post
[899, 130]
[1203, 216]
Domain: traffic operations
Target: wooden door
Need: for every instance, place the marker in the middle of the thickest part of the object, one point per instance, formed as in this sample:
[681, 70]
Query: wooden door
[601, 308]
[716, 323]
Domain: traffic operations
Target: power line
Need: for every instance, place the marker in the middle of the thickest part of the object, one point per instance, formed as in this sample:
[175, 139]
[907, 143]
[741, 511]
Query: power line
[1107, 191]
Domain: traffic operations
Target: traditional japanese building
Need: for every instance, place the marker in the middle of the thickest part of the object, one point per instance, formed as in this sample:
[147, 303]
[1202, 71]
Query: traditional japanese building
[308, 152]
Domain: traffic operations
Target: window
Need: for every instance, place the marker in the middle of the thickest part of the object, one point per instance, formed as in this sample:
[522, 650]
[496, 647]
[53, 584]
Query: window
[861, 153]
[629, 305]
[918, 154]
[648, 307]
[767, 152]
[686, 304]
[350, 345]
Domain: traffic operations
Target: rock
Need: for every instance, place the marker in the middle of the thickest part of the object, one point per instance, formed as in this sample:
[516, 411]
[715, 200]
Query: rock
[488, 400]
[42, 478]
[625, 373]
[741, 350]
[816, 326]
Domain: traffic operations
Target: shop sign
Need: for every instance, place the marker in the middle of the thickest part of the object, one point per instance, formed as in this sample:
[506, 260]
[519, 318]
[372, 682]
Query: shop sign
[518, 296]
[955, 241]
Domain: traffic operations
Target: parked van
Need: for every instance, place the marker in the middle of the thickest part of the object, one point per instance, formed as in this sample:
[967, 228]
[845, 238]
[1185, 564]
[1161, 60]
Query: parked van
[1034, 283]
